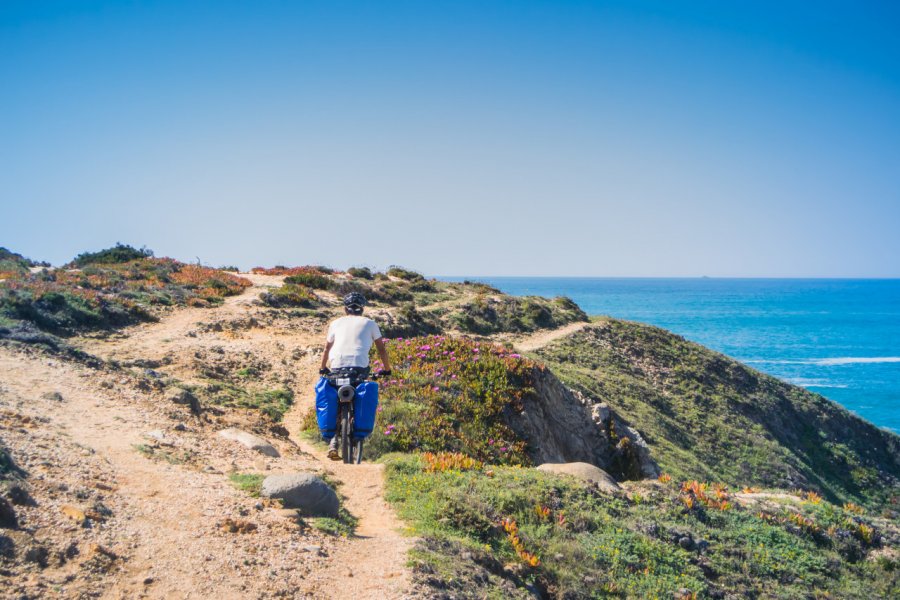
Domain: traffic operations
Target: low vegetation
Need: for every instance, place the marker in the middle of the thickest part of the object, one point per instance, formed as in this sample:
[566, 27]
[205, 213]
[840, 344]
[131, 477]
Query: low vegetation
[513, 530]
[111, 289]
[708, 417]
[450, 394]
[273, 403]
[250, 483]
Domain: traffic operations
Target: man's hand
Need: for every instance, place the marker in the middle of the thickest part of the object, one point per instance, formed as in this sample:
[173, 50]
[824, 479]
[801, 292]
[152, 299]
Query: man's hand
[324, 371]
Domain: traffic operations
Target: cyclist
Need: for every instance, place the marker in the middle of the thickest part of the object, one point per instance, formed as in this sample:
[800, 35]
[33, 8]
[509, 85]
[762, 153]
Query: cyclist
[348, 343]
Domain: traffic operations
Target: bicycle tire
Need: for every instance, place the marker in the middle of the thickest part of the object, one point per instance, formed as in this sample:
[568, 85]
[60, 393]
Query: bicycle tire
[346, 451]
[357, 451]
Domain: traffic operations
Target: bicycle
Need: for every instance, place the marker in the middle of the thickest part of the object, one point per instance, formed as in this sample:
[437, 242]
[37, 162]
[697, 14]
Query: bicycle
[346, 380]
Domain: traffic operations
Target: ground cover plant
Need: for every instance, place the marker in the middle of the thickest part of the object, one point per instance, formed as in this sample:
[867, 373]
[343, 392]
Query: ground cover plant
[488, 314]
[273, 403]
[707, 416]
[450, 394]
[509, 529]
[13, 264]
[110, 291]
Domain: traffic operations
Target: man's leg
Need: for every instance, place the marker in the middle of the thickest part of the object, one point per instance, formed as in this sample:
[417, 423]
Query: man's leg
[335, 443]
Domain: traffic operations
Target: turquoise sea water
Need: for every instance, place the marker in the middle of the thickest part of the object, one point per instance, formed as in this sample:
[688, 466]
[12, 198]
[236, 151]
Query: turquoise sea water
[839, 338]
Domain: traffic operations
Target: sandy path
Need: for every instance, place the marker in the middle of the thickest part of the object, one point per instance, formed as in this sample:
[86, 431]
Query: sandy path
[168, 512]
[369, 564]
[375, 558]
[542, 338]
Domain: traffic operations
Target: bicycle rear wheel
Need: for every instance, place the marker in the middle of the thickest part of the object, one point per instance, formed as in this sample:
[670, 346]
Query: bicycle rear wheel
[346, 450]
[357, 450]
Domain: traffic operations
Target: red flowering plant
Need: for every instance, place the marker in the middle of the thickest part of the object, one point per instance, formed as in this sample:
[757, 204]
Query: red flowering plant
[449, 394]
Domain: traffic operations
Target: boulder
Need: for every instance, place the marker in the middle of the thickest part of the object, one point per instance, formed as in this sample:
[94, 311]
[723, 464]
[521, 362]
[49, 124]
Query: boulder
[254, 442]
[305, 491]
[585, 472]
[180, 396]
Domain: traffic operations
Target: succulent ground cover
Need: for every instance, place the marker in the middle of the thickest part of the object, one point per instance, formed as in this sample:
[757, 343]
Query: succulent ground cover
[511, 529]
[450, 394]
[103, 293]
[709, 417]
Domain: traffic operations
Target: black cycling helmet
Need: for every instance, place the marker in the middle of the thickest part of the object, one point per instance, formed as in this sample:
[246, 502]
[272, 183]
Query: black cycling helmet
[354, 302]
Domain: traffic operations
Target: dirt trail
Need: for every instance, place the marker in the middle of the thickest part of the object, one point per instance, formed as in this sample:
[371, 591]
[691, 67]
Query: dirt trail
[168, 514]
[542, 338]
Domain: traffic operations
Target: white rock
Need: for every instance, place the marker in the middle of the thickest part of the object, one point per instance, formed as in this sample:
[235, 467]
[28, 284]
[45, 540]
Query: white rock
[584, 471]
[254, 442]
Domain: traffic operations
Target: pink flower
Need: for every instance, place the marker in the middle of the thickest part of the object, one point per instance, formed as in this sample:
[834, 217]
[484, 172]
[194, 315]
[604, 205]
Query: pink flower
[453, 377]
[502, 448]
[515, 356]
[436, 388]
[476, 350]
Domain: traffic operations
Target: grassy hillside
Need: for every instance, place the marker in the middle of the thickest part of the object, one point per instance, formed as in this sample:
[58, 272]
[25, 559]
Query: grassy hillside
[506, 532]
[708, 417]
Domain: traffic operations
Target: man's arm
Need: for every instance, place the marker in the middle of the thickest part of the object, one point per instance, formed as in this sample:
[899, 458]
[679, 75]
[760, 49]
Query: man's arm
[328, 346]
[382, 354]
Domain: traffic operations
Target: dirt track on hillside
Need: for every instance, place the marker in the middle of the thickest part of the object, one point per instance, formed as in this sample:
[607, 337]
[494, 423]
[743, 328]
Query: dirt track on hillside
[169, 495]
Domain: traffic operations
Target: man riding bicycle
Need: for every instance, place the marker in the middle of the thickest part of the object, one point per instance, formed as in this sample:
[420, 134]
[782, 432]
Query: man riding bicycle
[348, 343]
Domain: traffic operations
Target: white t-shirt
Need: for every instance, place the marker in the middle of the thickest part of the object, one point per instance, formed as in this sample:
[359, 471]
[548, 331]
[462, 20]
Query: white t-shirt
[352, 337]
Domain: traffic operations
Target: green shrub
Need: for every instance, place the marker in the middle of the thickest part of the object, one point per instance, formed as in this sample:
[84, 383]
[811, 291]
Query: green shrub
[120, 253]
[360, 272]
[486, 315]
[311, 280]
[404, 274]
[290, 295]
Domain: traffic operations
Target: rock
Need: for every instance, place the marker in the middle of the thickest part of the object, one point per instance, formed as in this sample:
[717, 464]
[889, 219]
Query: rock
[74, 513]
[53, 396]
[180, 396]
[585, 472]
[600, 413]
[8, 519]
[159, 436]
[686, 542]
[254, 442]
[305, 491]
[230, 525]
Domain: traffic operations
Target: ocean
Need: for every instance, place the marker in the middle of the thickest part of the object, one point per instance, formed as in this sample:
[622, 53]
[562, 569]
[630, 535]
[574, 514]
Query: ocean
[836, 337]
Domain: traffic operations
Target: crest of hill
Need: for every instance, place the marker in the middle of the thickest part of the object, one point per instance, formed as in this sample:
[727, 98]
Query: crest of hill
[708, 417]
[407, 304]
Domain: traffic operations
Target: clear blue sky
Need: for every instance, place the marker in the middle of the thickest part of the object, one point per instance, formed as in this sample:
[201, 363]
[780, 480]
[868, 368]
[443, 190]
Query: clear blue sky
[645, 138]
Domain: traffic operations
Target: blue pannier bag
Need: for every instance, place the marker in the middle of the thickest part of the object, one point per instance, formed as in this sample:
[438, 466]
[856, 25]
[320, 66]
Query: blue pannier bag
[364, 407]
[326, 408]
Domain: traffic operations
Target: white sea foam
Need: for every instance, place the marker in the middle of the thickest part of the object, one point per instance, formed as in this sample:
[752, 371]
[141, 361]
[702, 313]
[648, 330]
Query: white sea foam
[816, 383]
[852, 360]
[829, 362]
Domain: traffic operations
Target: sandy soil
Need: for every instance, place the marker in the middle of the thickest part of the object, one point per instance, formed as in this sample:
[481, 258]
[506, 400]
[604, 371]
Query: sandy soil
[90, 437]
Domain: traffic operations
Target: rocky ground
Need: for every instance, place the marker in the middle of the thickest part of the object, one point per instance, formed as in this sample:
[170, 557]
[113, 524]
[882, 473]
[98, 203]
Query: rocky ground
[125, 489]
